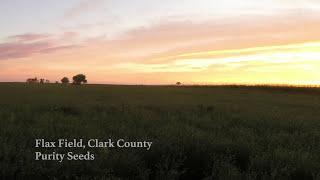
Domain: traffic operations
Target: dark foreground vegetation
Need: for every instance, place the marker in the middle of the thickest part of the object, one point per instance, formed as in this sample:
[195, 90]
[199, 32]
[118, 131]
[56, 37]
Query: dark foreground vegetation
[223, 132]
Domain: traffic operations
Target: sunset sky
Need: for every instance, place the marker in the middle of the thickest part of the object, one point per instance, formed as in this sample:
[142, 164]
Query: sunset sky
[161, 42]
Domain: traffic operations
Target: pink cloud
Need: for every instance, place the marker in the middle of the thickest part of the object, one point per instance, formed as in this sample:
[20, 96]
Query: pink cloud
[158, 42]
[29, 37]
[25, 45]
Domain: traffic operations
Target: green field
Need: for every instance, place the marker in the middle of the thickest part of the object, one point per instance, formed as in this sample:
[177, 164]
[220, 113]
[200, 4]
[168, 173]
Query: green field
[218, 132]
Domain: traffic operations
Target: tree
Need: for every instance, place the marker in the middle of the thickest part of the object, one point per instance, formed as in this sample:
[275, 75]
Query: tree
[79, 79]
[33, 80]
[178, 83]
[65, 80]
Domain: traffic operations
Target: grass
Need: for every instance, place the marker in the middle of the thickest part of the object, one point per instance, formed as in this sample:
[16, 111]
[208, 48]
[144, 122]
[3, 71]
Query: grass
[209, 132]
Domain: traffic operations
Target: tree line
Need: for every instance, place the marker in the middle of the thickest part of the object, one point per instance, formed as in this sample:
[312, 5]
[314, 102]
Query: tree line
[77, 80]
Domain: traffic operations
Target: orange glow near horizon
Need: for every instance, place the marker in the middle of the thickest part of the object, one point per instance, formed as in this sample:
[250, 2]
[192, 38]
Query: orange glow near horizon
[279, 64]
[296, 64]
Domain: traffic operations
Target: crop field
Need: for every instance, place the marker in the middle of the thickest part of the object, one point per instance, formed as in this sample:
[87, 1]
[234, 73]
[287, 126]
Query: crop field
[197, 132]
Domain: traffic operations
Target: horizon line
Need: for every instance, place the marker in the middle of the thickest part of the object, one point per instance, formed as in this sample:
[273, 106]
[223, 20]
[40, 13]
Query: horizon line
[193, 84]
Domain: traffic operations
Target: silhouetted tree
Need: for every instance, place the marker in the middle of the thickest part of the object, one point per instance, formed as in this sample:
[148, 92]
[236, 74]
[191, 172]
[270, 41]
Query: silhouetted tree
[42, 81]
[178, 83]
[65, 80]
[79, 79]
[32, 80]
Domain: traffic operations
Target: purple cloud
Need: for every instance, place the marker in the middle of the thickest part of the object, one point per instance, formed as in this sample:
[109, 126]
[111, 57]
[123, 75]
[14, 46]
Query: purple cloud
[25, 45]
[29, 37]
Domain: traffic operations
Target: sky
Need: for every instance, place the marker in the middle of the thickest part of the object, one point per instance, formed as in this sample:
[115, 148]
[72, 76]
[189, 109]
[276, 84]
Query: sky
[162, 42]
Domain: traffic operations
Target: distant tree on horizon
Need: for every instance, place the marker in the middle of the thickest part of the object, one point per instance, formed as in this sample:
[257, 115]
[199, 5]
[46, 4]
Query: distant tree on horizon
[36, 80]
[32, 80]
[178, 83]
[79, 79]
[42, 81]
[65, 80]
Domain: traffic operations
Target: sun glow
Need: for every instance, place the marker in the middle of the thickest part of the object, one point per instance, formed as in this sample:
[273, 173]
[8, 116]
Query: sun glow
[273, 64]
[291, 54]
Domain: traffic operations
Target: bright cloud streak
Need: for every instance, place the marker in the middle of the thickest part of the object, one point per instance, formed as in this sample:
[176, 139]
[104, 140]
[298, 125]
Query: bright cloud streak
[194, 62]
